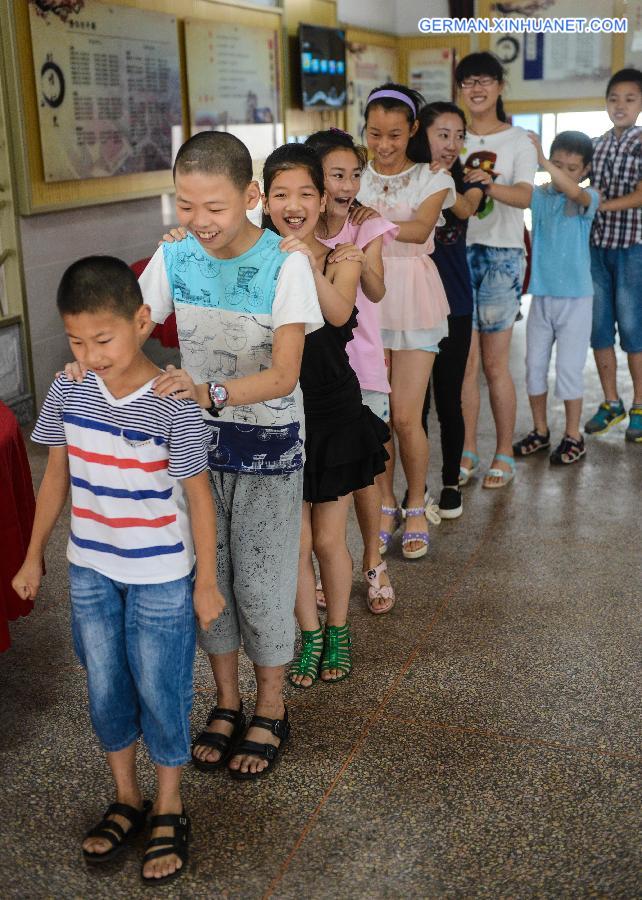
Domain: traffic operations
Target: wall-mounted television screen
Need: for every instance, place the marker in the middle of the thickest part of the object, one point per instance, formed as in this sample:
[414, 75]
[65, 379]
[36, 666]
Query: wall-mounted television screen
[323, 67]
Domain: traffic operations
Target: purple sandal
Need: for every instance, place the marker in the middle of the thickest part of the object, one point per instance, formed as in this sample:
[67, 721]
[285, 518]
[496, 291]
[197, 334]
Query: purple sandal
[386, 536]
[410, 536]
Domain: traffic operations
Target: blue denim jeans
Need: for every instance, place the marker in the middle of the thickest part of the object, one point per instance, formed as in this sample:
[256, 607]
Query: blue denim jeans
[617, 297]
[496, 275]
[137, 643]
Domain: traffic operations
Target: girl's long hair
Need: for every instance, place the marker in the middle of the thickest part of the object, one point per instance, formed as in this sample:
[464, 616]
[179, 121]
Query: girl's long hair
[476, 64]
[419, 146]
[290, 156]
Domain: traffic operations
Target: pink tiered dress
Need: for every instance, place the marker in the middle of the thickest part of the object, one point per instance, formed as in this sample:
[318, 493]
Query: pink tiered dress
[414, 311]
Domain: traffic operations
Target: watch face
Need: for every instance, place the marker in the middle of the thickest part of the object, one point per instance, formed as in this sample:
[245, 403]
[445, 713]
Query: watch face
[220, 393]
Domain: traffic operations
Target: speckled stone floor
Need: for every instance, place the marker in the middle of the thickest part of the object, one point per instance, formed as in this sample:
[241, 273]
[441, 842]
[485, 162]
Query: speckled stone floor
[486, 746]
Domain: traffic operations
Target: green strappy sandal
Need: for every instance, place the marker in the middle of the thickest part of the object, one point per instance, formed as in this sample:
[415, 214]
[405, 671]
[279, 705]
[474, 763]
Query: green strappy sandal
[307, 662]
[337, 653]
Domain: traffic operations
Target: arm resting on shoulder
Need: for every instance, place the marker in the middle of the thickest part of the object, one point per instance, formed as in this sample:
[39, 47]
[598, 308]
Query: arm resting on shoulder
[277, 381]
[517, 195]
[466, 205]
[372, 282]
[418, 229]
[626, 201]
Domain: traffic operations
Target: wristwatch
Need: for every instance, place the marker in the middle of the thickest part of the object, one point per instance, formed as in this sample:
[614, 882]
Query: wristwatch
[218, 396]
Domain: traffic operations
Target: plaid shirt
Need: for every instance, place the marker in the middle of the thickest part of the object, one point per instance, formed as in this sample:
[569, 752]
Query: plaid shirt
[616, 171]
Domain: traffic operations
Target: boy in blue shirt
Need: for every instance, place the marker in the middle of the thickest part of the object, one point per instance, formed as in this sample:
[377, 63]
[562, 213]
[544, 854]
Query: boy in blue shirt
[243, 307]
[562, 302]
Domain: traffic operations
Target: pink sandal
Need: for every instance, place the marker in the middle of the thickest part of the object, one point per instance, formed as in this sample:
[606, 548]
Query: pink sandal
[378, 591]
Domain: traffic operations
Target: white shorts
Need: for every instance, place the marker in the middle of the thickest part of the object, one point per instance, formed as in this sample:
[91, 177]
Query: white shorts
[567, 322]
[378, 403]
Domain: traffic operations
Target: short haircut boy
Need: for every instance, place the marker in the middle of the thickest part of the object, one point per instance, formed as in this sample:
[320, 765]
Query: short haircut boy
[625, 76]
[216, 153]
[574, 142]
[99, 283]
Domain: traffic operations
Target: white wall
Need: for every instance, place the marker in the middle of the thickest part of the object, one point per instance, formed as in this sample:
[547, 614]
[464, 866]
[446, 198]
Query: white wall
[52, 242]
[408, 13]
[394, 16]
[377, 14]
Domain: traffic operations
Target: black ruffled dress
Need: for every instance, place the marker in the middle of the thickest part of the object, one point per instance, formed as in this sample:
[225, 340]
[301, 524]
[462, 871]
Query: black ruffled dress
[344, 440]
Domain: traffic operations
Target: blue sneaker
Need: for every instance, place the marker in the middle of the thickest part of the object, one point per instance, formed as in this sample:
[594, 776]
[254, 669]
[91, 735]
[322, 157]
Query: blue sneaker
[634, 431]
[607, 415]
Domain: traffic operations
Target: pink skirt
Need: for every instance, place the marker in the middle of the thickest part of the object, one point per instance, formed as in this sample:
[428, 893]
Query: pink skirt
[415, 298]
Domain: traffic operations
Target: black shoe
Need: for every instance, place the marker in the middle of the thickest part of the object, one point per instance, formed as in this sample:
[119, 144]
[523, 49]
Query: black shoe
[569, 451]
[404, 502]
[450, 503]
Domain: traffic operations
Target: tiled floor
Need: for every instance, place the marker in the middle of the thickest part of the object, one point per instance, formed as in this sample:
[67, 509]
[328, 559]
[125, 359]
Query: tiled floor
[487, 744]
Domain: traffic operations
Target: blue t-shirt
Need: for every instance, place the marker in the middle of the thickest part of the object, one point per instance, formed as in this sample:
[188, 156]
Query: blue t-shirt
[226, 313]
[561, 265]
[450, 258]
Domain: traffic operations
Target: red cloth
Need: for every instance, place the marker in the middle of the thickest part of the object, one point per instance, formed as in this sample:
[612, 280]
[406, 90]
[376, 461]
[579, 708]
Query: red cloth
[166, 333]
[16, 519]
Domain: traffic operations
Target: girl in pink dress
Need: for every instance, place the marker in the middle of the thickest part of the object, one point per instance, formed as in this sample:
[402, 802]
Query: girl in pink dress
[414, 311]
[343, 162]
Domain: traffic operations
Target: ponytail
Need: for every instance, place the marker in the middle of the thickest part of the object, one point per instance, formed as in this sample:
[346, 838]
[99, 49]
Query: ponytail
[500, 111]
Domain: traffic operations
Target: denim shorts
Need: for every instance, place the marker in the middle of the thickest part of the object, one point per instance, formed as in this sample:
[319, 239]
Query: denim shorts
[137, 643]
[378, 403]
[496, 275]
[617, 297]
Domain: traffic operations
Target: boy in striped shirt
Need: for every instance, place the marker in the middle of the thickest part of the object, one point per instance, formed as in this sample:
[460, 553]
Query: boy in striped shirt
[132, 459]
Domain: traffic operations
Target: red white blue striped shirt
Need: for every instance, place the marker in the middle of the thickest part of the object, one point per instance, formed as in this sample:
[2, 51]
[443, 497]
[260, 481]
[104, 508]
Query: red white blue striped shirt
[126, 459]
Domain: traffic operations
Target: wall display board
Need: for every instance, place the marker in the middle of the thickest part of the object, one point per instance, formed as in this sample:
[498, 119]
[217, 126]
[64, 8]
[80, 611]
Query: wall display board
[234, 82]
[430, 71]
[367, 67]
[108, 85]
[543, 66]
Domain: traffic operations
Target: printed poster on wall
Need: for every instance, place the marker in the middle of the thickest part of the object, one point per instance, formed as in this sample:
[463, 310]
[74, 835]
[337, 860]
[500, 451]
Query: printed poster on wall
[367, 67]
[234, 83]
[430, 71]
[571, 65]
[108, 88]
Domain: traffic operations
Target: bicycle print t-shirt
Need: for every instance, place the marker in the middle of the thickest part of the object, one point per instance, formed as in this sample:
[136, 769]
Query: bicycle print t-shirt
[226, 313]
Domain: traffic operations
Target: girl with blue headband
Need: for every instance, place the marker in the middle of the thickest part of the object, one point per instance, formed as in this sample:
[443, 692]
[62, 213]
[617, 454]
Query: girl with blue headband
[414, 310]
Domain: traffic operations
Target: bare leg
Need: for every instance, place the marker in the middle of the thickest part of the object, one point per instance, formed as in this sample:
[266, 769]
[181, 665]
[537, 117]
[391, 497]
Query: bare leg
[606, 363]
[167, 802]
[538, 408]
[495, 349]
[410, 375]
[123, 768]
[225, 668]
[269, 703]
[367, 504]
[386, 480]
[573, 412]
[329, 540]
[305, 607]
[635, 368]
[470, 399]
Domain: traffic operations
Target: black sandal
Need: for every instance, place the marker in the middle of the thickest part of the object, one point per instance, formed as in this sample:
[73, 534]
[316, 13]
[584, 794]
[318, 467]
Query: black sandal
[166, 846]
[113, 831]
[224, 743]
[279, 728]
[532, 443]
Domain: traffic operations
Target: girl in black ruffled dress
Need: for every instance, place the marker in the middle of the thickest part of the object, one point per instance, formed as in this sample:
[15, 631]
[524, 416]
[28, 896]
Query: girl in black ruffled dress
[344, 442]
